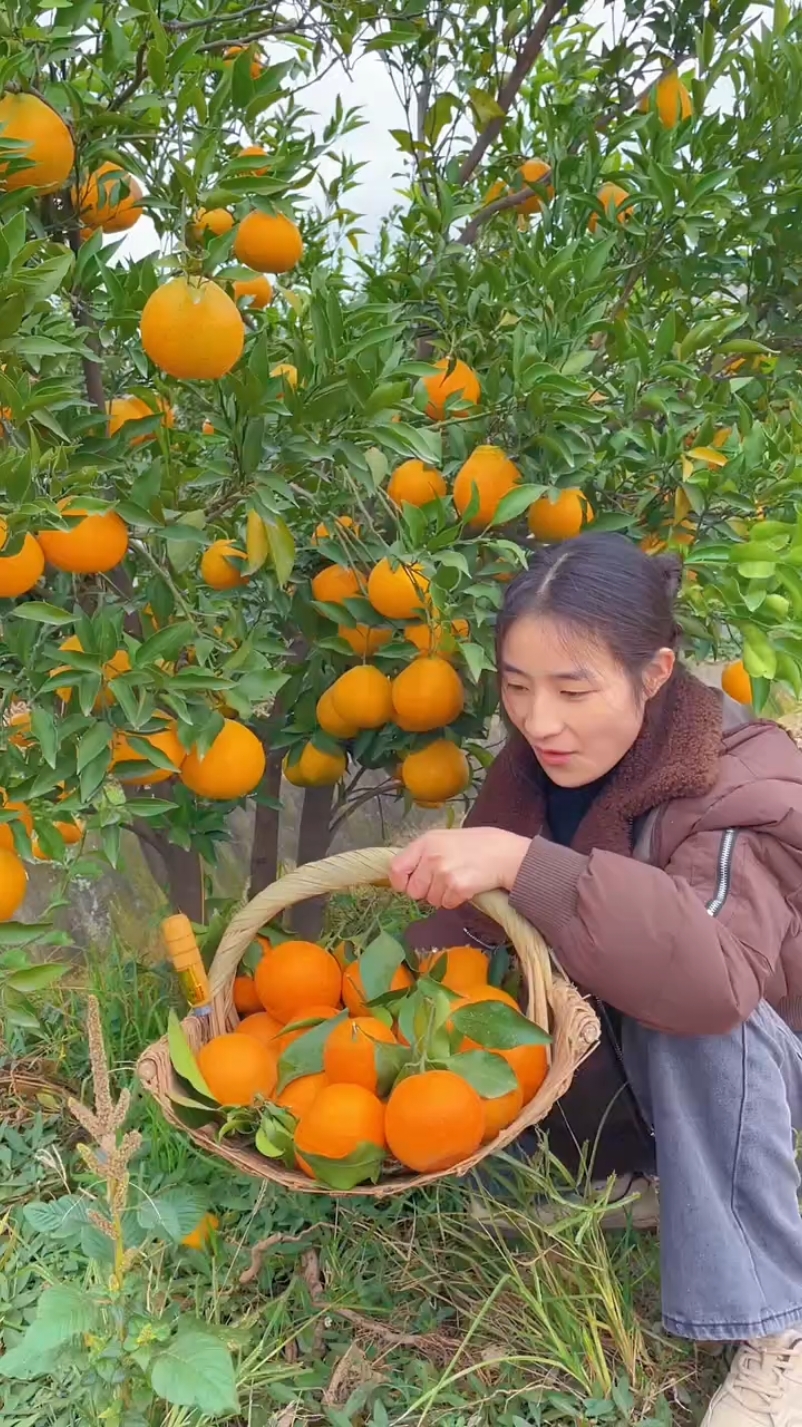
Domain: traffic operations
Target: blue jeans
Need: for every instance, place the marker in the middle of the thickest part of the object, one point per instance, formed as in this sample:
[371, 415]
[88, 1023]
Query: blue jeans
[724, 1110]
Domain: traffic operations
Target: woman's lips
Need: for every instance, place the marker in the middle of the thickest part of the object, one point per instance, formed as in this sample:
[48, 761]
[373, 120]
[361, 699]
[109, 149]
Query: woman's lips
[552, 755]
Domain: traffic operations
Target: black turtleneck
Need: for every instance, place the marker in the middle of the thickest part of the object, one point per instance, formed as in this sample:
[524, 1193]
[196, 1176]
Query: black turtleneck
[566, 807]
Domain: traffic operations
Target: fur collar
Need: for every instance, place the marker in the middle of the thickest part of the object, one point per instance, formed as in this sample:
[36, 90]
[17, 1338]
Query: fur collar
[676, 755]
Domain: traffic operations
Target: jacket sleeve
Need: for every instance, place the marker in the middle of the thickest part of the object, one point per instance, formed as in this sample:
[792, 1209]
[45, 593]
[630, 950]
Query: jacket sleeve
[463, 925]
[687, 950]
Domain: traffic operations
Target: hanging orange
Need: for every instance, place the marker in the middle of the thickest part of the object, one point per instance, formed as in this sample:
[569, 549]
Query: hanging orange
[13, 883]
[560, 519]
[268, 242]
[166, 741]
[232, 767]
[532, 172]
[415, 483]
[219, 565]
[336, 583]
[192, 329]
[97, 208]
[435, 773]
[493, 474]
[397, 593]
[90, 546]
[257, 288]
[451, 378]
[49, 152]
[427, 694]
[362, 697]
[19, 573]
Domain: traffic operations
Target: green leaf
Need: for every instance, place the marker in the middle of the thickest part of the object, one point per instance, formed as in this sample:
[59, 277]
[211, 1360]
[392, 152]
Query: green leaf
[172, 1214]
[515, 502]
[281, 542]
[35, 978]
[196, 1370]
[362, 1165]
[489, 1074]
[305, 1055]
[92, 744]
[42, 613]
[379, 963]
[760, 657]
[182, 1058]
[439, 115]
[498, 1027]
[485, 106]
[60, 1218]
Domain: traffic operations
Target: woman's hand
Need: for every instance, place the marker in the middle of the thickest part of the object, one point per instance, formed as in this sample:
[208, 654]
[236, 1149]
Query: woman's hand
[447, 868]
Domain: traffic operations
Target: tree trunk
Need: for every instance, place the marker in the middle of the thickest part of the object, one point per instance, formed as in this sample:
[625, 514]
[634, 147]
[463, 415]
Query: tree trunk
[177, 871]
[264, 853]
[313, 843]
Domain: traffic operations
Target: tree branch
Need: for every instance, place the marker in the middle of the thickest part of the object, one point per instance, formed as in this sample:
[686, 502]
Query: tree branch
[139, 74]
[227, 18]
[529, 52]
[509, 200]
[93, 372]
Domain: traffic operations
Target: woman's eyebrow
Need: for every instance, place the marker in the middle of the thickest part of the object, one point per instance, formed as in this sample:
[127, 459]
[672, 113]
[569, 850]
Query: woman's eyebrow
[577, 676]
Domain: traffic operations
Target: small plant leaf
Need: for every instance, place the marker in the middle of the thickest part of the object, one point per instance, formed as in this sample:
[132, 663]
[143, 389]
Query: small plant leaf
[173, 1214]
[362, 1165]
[498, 1027]
[305, 1055]
[379, 963]
[390, 1060]
[196, 1370]
[489, 1074]
[183, 1060]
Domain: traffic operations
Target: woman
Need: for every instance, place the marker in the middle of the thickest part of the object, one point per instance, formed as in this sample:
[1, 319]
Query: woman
[653, 833]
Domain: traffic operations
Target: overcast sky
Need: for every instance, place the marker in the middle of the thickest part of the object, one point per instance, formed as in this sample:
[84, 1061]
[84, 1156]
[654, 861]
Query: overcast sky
[370, 91]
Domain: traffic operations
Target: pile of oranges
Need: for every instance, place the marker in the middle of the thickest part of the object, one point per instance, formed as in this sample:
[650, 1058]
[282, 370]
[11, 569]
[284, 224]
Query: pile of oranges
[350, 1069]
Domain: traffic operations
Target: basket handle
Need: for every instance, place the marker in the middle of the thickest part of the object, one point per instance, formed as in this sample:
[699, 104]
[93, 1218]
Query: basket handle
[363, 868]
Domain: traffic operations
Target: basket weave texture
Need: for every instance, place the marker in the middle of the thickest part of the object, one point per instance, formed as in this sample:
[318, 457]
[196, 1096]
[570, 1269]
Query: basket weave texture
[551, 1002]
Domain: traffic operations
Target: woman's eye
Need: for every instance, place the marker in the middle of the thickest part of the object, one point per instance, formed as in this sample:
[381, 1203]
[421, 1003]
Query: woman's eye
[575, 693]
[515, 688]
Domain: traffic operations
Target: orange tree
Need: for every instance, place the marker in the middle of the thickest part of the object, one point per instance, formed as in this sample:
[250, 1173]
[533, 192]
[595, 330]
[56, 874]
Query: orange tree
[260, 492]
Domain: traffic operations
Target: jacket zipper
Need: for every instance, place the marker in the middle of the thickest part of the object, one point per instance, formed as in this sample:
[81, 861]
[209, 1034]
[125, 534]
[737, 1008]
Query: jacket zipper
[725, 856]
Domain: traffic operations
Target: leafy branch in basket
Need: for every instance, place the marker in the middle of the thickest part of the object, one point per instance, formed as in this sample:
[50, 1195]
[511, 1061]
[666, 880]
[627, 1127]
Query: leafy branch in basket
[101, 1337]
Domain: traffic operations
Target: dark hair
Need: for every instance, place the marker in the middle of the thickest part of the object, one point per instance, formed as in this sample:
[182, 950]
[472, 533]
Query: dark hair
[604, 587]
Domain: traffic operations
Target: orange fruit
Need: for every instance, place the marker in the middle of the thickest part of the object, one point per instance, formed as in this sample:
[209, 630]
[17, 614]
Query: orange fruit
[315, 769]
[500, 1112]
[253, 151]
[362, 697]
[532, 172]
[451, 379]
[287, 371]
[354, 991]
[336, 583]
[268, 242]
[19, 573]
[231, 54]
[415, 483]
[493, 474]
[212, 220]
[90, 546]
[466, 968]
[339, 1120]
[237, 1069]
[192, 329]
[341, 522]
[257, 288]
[295, 974]
[20, 718]
[427, 694]
[217, 569]
[349, 1055]
[365, 639]
[672, 101]
[435, 773]
[301, 1094]
[167, 742]
[207, 428]
[71, 832]
[259, 1023]
[434, 1120]
[399, 591]
[232, 768]
[119, 663]
[736, 682]
[133, 408]
[315, 1013]
[7, 829]
[560, 519]
[198, 1237]
[436, 638]
[330, 721]
[109, 199]
[13, 877]
[49, 152]
[246, 997]
[496, 190]
[611, 196]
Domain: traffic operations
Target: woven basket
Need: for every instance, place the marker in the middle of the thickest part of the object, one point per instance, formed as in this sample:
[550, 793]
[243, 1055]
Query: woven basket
[552, 1003]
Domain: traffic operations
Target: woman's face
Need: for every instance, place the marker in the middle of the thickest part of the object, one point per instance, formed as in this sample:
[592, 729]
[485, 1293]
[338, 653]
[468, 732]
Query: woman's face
[575, 706]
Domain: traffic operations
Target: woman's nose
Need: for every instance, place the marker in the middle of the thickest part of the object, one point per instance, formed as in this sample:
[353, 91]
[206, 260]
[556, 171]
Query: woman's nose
[543, 720]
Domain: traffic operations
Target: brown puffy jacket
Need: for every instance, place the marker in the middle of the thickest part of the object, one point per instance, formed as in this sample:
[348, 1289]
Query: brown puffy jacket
[678, 903]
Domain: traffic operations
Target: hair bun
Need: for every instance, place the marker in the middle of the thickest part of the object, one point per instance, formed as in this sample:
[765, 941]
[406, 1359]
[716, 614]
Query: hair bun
[671, 571]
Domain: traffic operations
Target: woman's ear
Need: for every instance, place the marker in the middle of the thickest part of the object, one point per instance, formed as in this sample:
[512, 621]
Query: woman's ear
[658, 671]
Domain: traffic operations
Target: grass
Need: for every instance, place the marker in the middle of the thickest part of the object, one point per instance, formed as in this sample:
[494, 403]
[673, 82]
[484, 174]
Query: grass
[354, 1314]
